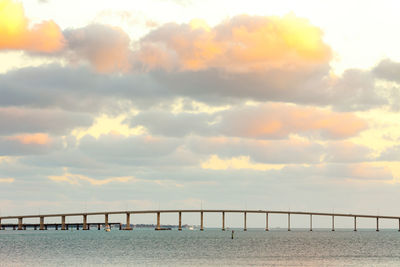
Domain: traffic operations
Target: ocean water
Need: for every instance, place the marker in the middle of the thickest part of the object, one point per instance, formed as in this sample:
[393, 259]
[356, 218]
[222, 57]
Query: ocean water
[212, 247]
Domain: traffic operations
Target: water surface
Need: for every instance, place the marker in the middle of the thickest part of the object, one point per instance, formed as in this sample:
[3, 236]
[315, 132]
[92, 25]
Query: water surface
[209, 248]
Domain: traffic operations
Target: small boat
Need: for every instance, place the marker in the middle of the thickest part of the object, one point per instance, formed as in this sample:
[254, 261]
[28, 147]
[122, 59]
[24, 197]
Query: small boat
[191, 228]
[107, 228]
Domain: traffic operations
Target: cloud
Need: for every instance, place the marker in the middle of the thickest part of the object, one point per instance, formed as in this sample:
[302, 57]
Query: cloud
[242, 43]
[237, 163]
[107, 48]
[293, 151]
[388, 70]
[34, 144]
[278, 120]
[79, 89]
[370, 172]
[27, 120]
[16, 33]
[264, 121]
[76, 179]
[391, 154]
[131, 150]
[26, 139]
[7, 180]
[347, 152]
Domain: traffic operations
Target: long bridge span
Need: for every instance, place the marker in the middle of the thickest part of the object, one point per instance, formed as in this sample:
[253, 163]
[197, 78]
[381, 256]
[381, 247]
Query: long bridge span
[85, 225]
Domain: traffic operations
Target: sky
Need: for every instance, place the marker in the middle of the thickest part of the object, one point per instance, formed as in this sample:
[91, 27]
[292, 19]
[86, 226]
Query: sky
[115, 105]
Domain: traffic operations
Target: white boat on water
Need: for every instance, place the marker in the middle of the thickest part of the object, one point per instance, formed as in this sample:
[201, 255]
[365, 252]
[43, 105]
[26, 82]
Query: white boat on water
[107, 228]
[191, 228]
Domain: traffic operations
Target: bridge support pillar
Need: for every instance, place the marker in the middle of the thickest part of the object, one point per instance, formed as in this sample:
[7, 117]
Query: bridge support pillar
[333, 223]
[201, 221]
[20, 223]
[98, 226]
[355, 223]
[158, 221]
[399, 224]
[288, 227]
[223, 221]
[310, 222]
[128, 222]
[84, 222]
[106, 219]
[62, 223]
[377, 224]
[180, 221]
[266, 222]
[245, 221]
[1, 228]
[41, 227]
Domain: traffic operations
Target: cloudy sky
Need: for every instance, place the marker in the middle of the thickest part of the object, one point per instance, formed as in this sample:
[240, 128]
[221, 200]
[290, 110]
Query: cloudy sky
[182, 104]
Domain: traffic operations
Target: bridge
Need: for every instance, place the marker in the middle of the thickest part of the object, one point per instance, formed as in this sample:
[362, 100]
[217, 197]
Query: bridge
[86, 226]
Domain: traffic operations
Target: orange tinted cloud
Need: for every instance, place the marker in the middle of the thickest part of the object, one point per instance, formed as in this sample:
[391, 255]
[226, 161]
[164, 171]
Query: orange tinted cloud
[242, 43]
[369, 171]
[105, 47]
[17, 33]
[28, 139]
[278, 120]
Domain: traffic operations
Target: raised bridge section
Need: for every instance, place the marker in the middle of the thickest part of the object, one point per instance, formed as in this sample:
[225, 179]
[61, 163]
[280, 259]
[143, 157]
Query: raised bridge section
[128, 226]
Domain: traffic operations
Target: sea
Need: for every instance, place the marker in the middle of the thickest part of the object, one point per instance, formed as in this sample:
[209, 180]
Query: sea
[212, 247]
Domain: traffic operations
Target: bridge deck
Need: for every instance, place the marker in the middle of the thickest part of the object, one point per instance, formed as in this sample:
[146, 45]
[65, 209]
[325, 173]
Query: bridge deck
[199, 211]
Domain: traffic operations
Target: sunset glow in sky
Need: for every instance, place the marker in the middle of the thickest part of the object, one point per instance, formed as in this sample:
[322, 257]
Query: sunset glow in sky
[177, 104]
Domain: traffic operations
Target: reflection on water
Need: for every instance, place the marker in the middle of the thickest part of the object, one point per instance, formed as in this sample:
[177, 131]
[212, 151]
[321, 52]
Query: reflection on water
[211, 247]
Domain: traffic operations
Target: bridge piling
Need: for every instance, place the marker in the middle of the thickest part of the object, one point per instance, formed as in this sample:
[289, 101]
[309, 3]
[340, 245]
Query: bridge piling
[41, 223]
[355, 223]
[106, 219]
[1, 228]
[158, 221]
[128, 222]
[310, 222]
[180, 221]
[201, 221]
[377, 224]
[266, 222]
[288, 222]
[333, 223]
[245, 221]
[84, 227]
[62, 223]
[223, 221]
[20, 223]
